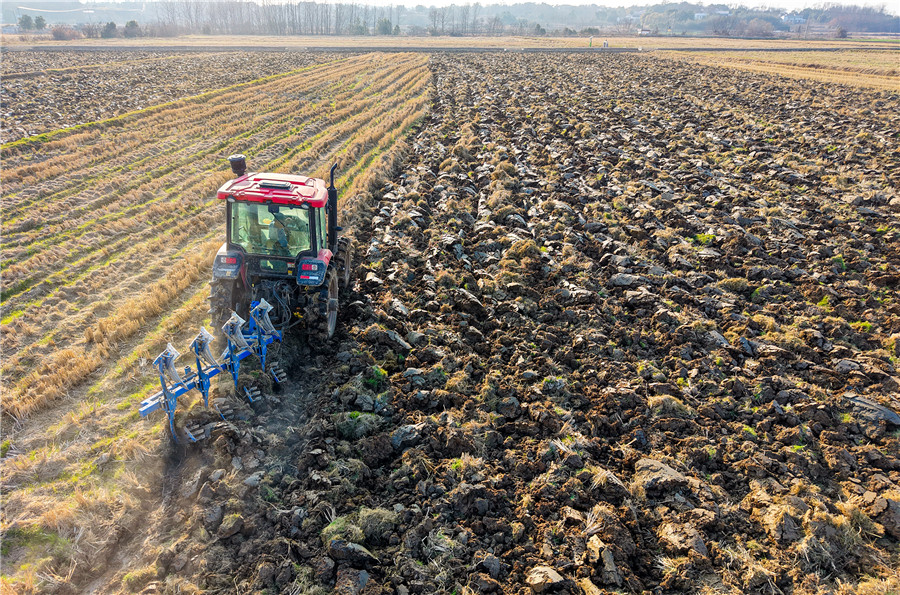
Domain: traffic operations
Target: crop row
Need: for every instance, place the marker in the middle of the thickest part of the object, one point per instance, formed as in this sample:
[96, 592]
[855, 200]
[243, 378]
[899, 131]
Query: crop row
[107, 225]
[72, 88]
[859, 68]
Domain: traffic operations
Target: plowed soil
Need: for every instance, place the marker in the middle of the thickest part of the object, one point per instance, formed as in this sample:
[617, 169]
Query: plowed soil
[622, 325]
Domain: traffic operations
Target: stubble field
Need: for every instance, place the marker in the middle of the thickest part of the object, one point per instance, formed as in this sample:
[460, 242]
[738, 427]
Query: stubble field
[870, 68]
[108, 233]
[46, 91]
[622, 324]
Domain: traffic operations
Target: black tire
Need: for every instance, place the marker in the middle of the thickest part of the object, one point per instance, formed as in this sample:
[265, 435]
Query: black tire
[225, 296]
[344, 266]
[322, 329]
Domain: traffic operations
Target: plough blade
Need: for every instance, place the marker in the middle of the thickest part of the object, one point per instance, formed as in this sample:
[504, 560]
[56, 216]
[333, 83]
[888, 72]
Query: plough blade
[201, 347]
[165, 363]
[241, 344]
[232, 330]
[260, 315]
[278, 373]
[253, 394]
[196, 431]
[224, 409]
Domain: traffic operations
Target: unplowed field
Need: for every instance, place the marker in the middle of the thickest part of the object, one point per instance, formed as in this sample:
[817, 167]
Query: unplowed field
[622, 324]
[867, 68]
[108, 234]
[45, 91]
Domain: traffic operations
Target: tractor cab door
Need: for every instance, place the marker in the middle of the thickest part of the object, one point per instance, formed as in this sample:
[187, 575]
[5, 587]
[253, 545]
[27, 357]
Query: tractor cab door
[321, 229]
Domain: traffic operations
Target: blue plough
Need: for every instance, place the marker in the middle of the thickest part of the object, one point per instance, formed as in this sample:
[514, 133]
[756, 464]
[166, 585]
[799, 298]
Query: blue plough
[241, 344]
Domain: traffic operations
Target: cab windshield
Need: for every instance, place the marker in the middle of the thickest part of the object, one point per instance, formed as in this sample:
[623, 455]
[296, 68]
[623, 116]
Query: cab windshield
[273, 230]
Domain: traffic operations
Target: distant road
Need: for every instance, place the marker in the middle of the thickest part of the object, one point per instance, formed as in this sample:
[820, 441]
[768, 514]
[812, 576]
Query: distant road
[426, 49]
[348, 49]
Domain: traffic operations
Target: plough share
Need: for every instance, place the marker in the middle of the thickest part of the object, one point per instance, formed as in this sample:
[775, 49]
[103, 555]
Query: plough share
[241, 344]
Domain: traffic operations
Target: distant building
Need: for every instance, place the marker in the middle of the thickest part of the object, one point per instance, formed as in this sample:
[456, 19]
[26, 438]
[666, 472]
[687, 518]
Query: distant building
[699, 16]
[793, 19]
[810, 30]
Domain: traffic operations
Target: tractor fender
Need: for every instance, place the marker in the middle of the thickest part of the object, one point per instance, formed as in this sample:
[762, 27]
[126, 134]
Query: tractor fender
[325, 255]
[227, 264]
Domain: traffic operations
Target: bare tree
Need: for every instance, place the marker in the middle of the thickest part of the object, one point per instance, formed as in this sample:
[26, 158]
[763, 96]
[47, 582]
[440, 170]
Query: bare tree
[340, 15]
[464, 11]
[494, 26]
[623, 27]
[91, 30]
[443, 13]
[434, 17]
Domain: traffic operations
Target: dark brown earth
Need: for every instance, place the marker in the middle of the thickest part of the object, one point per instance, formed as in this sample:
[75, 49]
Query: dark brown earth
[622, 325]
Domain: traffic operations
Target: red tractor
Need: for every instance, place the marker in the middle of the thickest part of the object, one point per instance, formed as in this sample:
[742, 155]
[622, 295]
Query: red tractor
[282, 264]
[281, 246]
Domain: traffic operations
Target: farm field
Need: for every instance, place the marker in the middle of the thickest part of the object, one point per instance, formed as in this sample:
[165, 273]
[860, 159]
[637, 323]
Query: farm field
[874, 69]
[44, 91]
[300, 42]
[108, 235]
[622, 323]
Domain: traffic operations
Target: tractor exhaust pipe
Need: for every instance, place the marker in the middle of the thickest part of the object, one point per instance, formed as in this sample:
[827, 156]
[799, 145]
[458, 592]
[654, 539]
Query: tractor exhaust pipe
[332, 212]
[238, 164]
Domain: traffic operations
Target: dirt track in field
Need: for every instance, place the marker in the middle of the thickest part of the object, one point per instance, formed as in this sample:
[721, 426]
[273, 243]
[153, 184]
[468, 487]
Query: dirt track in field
[622, 324]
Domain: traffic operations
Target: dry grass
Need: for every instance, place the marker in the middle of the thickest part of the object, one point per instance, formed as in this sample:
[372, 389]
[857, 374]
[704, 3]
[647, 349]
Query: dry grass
[601, 477]
[869, 586]
[107, 260]
[669, 406]
[873, 69]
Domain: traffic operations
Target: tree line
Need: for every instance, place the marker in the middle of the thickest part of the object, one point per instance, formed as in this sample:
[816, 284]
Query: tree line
[263, 17]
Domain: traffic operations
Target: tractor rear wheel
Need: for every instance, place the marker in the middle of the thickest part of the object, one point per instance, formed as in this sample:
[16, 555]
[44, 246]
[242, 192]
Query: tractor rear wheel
[323, 328]
[344, 265]
[224, 296]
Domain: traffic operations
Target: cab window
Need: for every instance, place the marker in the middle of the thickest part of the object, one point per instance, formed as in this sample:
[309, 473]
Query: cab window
[323, 227]
[273, 230]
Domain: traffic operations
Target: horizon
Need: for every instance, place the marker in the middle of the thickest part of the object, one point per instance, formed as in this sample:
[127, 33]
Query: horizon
[785, 5]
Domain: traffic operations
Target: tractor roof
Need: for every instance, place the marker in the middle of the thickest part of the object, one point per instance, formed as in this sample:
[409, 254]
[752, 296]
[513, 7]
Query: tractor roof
[283, 189]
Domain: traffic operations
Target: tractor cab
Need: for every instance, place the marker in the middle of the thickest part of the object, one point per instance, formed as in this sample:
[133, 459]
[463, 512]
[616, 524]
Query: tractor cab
[277, 225]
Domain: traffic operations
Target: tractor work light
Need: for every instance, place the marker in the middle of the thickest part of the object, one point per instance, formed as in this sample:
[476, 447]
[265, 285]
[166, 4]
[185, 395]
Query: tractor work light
[227, 266]
[311, 273]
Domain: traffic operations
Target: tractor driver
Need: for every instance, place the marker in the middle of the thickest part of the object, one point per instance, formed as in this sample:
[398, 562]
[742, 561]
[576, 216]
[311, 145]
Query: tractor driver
[288, 232]
[279, 235]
